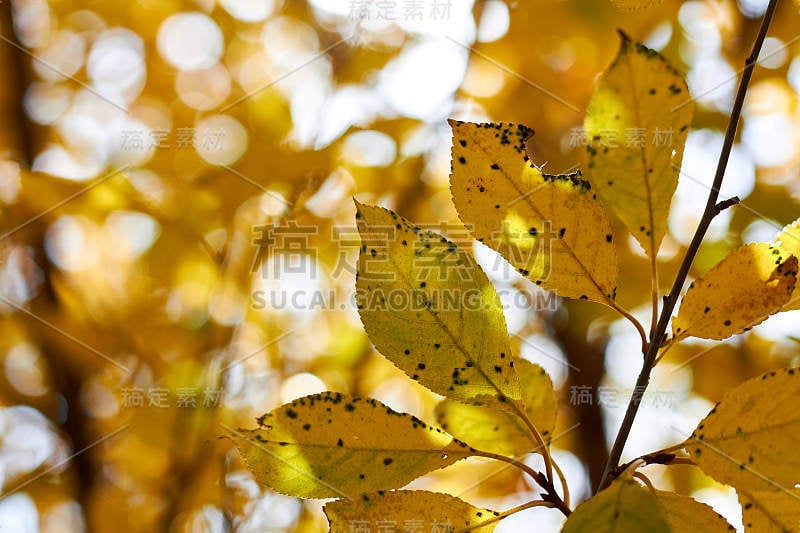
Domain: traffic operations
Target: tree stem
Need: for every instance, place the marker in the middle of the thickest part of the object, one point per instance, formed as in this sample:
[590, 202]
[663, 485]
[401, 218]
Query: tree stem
[550, 495]
[711, 210]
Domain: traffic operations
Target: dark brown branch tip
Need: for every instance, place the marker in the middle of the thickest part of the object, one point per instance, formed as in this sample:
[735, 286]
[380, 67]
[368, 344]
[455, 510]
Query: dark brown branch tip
[658, 458]
[725, 204]
[550, 495]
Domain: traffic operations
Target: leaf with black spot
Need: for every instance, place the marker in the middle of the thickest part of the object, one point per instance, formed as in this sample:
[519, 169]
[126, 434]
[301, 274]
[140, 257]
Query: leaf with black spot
[430, 309]
[501, 432]
[687, 514]
[744, 288]
[789, 240]
[770, 511]
[552, 229]
[749, 440]
[636, 127]
[428, 511]
[365, 447]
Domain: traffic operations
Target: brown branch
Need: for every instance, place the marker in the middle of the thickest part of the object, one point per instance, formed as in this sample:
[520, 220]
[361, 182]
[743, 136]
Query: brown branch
[711, 210]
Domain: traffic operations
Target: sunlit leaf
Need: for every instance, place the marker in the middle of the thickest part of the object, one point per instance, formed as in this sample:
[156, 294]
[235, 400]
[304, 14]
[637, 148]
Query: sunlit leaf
[624, 506]
[636, 127]
[334, 445]
[749, 440]
[552, 229]
[749, 284]
[770, 511]
[687, 514]
[789, 240]
[498, 431]
[407, 510]
[429, 308]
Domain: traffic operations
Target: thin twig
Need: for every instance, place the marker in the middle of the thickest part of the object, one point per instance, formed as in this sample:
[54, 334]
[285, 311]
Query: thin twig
[505, 514]
[550, 495]
[632, 319]
[563, 480]
[653, 293]
[548, 459]
[661, 457]
[667, 347]
[711, 210]
[644, 479]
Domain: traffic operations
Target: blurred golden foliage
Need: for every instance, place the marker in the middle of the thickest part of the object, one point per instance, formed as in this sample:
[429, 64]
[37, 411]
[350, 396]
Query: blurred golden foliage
[178, 247]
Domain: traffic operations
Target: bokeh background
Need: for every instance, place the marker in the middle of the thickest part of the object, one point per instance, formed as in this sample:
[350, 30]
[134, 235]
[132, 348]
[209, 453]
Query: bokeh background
[177, 245]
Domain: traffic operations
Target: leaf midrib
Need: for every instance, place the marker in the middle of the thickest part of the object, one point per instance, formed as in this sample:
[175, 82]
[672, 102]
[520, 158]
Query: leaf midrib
[456, 341]
[334, 446]
[643, 150]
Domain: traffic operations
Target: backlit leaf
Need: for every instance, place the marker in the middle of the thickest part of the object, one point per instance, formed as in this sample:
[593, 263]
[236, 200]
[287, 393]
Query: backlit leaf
[430, 309]
[749, 440]
[636, 127]
[498, 431]
[334, 445]
[789, 240]
[407, 510]
[687, 514]
[624, 506]
[553, 229]
[749, 284]
[770, 511]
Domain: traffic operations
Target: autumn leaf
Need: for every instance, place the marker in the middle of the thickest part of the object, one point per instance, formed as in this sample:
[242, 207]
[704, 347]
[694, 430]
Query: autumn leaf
[334, 445]
[770, 511]
[749, 284]
[498, 431]
[789, 240]
[636, 127]
[430, 309]
[624, 506]
[687, 514]
[408, 510]
[551, 228]
[749, 440]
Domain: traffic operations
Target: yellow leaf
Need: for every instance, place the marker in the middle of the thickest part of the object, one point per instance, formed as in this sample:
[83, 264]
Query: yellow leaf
[634, 5]
[749, 284]
[334, 445]
[498, 431]
[749, 440]
[636, 127]
[624, 506]
[789, 240]
[430, 309]
[770, 511]
[407, 510]
[687, 514]
[551, 228]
